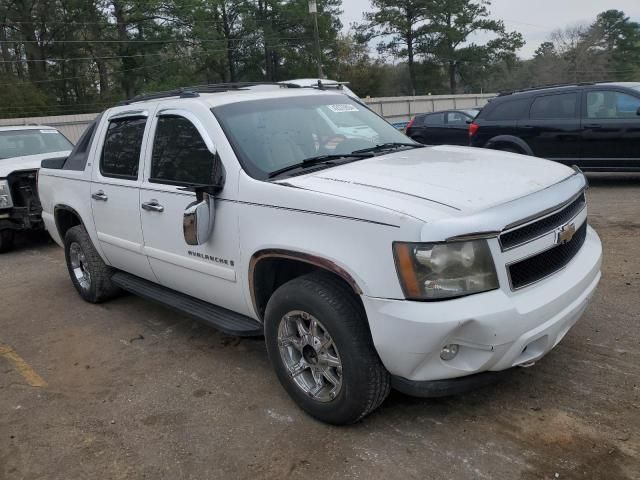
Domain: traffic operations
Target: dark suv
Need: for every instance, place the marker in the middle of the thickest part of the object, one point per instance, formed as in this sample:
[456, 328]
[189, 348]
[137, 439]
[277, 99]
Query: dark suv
[595, 126]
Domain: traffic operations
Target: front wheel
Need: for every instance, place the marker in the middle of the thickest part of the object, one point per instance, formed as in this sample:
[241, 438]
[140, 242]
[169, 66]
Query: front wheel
[321, 349]
[6, 240]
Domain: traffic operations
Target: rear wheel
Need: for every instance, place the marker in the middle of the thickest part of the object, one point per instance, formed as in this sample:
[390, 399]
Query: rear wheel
[89, 274]
[509, 148]
[321, 349]
[6, 240]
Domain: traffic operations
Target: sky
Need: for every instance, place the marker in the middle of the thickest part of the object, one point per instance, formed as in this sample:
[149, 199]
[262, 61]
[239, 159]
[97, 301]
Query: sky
[535, 19]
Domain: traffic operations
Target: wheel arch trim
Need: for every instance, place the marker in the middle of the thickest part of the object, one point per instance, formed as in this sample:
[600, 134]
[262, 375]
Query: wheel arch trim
[67, 208]
[311, 259]
[510, 139]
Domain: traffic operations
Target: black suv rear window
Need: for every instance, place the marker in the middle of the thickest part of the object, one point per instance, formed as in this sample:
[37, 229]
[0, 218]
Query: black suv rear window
[512, 109]
[554, 106]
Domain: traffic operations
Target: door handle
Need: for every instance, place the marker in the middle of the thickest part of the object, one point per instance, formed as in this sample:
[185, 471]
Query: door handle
[100, 195]
[152, 206]
[593, 125]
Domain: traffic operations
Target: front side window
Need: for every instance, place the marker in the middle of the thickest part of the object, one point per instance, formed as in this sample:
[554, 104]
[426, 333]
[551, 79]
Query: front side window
[610, 104]
[554, 106]
[180, 156]
[22, 143]
[271, 134]
[121, 149]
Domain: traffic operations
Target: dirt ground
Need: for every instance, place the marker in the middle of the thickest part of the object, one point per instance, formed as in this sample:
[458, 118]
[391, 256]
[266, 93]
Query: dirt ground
[131, 390]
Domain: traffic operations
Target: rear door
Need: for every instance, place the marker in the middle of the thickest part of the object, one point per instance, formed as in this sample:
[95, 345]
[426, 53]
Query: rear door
[553, 128]
[115, 191]
[611, 129]
[432, 131]
[457, 124]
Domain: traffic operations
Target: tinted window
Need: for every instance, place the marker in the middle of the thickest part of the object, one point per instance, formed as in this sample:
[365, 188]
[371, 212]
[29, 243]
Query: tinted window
[121, 149]
[608, 104]
[435, 119]
[554, 106]
[180, 155]
[509, 110]
[457, 119]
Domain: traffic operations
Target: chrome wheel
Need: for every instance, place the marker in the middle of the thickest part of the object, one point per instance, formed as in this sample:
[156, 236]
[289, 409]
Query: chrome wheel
[79, 266]
[310, 355]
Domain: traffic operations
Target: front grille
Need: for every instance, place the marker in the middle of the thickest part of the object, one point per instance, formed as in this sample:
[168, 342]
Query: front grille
[543, 264]
[536, 229]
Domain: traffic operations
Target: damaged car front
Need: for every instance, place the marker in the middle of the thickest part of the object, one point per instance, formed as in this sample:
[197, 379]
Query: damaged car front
[22, 149]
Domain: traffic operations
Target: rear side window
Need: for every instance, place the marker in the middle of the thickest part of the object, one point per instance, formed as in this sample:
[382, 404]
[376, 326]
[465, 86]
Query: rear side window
[435, 119]
[180, 156]
[121, 149]
[509, 110]
[554, 106]
[457, 119]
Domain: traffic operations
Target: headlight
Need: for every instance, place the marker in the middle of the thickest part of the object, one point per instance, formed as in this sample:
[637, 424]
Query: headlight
[433, 271]
[5, 195]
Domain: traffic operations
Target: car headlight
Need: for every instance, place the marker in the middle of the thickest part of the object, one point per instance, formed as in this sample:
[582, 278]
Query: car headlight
[5, 195]
[434, 271]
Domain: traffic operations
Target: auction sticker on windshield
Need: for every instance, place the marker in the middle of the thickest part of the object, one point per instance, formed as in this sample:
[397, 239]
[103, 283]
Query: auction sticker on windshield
[342, 107]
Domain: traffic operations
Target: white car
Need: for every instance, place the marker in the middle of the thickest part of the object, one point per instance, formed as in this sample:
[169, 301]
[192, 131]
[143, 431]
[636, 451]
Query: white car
[22, 149]
[366, 265]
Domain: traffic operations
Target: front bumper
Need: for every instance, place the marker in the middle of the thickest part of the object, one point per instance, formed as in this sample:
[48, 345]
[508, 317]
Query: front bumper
[20, 219]
[496, 330]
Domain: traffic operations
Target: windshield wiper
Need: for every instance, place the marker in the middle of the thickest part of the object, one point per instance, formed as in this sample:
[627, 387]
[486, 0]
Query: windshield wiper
[327, 159]
[389, 146]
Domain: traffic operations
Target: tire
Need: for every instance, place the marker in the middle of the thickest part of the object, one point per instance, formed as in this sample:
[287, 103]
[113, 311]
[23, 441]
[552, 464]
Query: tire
[6, 240]
[89, 274]
[363, 381]
[507, 148]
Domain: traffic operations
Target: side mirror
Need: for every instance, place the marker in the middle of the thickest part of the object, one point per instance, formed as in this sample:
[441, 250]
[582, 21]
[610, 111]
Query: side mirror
[199, 216]
[638, 111]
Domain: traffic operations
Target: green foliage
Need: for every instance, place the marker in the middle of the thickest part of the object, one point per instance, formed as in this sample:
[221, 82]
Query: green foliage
[75, 56]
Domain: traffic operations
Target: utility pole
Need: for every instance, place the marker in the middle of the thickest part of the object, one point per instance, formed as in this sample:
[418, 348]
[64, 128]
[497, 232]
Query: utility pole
[313, 9]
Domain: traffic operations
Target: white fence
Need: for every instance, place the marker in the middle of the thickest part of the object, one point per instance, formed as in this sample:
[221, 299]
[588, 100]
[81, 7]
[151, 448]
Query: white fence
[394, 109]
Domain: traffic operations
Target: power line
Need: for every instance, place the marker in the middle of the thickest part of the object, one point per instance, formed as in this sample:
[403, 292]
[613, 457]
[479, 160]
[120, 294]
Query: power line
[171, 41]
[134, 68]
[113, 57]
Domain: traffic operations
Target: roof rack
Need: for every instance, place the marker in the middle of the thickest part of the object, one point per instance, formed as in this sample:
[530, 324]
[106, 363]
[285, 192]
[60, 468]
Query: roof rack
[542, 87]
[196, 90]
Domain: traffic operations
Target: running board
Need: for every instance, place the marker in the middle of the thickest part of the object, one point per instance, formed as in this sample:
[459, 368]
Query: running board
[220, 318]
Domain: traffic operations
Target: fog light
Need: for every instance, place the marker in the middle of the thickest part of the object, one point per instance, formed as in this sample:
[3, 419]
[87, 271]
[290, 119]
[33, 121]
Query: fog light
[449, 352]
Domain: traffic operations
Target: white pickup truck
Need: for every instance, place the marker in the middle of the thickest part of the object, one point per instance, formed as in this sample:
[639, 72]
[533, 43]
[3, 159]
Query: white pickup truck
[22, 148]
[367, 262]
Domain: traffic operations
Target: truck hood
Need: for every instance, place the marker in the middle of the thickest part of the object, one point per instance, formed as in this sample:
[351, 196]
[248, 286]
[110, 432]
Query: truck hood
[27, 162]
[446, 179]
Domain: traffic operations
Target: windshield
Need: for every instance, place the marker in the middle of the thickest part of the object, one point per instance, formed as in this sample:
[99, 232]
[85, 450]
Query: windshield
[269, 135]
[19, 143]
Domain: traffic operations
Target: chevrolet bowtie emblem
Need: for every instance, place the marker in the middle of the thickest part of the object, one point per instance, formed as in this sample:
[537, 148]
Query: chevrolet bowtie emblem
[566, 233]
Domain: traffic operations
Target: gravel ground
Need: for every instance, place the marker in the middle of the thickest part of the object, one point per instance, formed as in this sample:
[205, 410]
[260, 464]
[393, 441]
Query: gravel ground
[131, 390]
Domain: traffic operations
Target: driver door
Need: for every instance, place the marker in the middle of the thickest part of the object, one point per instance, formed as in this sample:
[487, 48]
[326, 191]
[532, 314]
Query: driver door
[181, 153]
